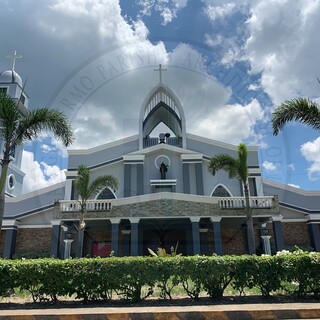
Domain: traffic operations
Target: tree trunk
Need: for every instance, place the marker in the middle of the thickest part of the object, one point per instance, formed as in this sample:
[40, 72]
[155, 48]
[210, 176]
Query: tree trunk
[3, 179]
[250, 229]
[79, 251]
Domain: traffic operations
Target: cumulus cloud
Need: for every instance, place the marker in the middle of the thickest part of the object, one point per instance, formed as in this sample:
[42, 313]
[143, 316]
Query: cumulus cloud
[283, 46]
[46, 148]
[101, 70]
[39, 175]
[216, 11]
[232, 123]
[310, 151]
[270, 166]
[168, 9]
[229, 31]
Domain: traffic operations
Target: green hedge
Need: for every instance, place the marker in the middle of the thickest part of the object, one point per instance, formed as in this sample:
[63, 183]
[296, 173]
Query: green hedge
[136, 278]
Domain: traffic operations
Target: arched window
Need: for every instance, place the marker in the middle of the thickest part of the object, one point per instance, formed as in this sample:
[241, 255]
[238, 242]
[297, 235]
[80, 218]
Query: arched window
[221, 191]
[106, 194]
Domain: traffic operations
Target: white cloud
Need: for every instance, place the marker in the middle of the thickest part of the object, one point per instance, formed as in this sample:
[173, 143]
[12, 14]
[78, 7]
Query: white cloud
[283, 45]
[168, 9]
[215, 11]
[254, 87]
[46, 148]
[311, 150]
[39, 175]
[232, 123]
[270, 166]
[90, 124]
[111, 112]
[291, 167]
[293, 185]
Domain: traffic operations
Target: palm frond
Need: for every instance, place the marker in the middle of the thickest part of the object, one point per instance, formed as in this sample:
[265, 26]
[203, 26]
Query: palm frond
[44, 119]
[242, 163]
[223, 162]
[303, 110]
[9, 117]
[87, 189]
[82, 182]
[102, 182]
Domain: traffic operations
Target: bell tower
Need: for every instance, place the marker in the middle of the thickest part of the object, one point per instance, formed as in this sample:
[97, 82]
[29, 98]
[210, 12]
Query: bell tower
[162, 106]
[11, 85]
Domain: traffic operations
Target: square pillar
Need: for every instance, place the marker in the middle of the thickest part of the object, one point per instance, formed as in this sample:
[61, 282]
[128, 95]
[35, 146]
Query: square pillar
[127, 180]
[80, 239]
[140, 179]
[125, 243]
[10, 242]
[217, 243]
[115, 235]
[79, 251]
[186, 178]
[195, 235]
[134, 248]
[55, 238]
[199, 178]
[277, 231]
[314, 233]
[128, 162]
[204, 241]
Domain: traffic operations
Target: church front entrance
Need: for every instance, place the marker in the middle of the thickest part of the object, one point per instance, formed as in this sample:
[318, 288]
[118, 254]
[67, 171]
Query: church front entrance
[173, 235]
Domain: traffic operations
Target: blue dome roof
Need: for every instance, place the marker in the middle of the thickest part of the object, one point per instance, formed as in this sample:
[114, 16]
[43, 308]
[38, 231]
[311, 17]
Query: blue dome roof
[10, 76]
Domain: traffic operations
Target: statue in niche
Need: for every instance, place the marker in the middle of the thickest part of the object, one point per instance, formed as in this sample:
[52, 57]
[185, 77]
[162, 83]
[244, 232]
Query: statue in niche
[163, 170]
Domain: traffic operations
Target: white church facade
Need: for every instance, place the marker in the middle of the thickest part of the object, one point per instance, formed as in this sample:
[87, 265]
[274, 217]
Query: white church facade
[166, 196]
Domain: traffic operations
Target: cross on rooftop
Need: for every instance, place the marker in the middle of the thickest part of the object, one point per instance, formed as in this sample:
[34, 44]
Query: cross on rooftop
[14, 56]
[160, 72]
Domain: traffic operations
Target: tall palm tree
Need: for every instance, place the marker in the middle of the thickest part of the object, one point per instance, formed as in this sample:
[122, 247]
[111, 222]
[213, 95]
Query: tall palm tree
[237, 168]
[15, 129]
[300, 109]
[86, 190]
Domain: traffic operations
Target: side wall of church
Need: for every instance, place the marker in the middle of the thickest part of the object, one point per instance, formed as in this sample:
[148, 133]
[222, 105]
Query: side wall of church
[2, 237]
[111, 153]
[33, 240]
[115, 169]
[221, 178]
[296, 233]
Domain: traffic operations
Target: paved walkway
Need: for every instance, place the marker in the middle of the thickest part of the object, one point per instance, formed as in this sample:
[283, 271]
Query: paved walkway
[216, 312]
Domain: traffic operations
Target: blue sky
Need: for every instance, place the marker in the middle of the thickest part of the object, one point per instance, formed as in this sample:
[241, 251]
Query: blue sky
[229, 62]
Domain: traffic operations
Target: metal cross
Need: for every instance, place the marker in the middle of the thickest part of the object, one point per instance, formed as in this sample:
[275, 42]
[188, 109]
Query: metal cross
[14, 56]
[160, 72]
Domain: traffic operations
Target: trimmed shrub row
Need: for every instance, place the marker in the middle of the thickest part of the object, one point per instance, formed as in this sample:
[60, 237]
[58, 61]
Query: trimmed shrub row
[136, 278]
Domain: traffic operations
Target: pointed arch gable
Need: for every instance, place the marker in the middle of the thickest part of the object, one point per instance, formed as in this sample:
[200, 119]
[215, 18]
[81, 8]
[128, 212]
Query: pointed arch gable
[162, 105]
[162, 113]
[105, 194]
[220, 190]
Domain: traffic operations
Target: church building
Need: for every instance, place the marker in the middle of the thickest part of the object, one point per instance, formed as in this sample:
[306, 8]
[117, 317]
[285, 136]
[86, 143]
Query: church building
[166, 197]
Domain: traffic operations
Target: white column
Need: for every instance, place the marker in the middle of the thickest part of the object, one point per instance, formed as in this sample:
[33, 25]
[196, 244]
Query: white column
[67, 248]
[266, 244]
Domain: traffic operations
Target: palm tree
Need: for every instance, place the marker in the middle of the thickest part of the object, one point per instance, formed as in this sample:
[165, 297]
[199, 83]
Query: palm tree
[86, 190]
[300, 109]
[17, 128]
[237, 168]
